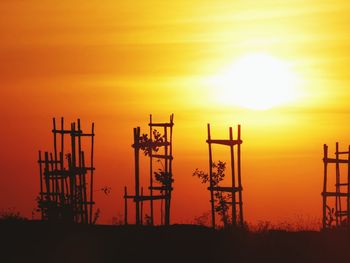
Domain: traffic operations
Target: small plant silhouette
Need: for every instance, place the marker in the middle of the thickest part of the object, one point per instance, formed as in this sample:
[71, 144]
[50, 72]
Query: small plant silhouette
[148, 145]
[11, 215]
[330, 216]
[105, 189]
[221, 199]
[164, 178]
[96, 216]
[118, 220]
[202, 220]
[148, 220]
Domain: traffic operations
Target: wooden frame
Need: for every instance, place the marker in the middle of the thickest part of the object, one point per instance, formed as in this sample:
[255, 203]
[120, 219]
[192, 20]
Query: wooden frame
[63, 185]
[163, 193]
[236, 182]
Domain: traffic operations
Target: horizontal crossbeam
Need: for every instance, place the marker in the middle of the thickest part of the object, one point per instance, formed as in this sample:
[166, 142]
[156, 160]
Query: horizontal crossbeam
[159, 156]
[145, 197]
[334, 194]
[225, 142]
[161, 188]
[161, 124]
[225, 189]
[333, 160]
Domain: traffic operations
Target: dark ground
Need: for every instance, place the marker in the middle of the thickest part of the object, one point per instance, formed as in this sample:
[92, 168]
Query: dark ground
[30, 241]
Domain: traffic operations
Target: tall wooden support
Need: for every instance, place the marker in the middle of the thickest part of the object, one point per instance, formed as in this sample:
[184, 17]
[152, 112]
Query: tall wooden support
[125, 206]
[337, 213]
[92, 171]
[64, 194]
[137, 173]
[212, 200]
[151, 175]
[158, 148]
[235, 190]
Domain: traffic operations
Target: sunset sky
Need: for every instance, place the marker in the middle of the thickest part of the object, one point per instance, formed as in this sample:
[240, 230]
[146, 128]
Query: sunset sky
[115, 62]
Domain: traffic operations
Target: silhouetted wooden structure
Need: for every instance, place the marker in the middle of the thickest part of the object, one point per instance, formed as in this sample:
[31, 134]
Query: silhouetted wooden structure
[66, 178]
[151, 145]
[235, 190]
[336, 188]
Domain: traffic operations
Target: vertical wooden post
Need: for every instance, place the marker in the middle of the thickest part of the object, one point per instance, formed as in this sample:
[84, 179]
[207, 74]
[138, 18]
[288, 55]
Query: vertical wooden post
[81, 175]
[73, 172]
[64, 185]
[47, 177]
[55, 157]
[348, 191]
[338, 216]
[161, 212]
[53, 179]
[41, 183]
[92, 171]
[166, 170]
[47, 183]
[137, 174]
[141, 212]
[84, 199]
[170, 163]
[324, 193]
[71, 186]
[151, 168]
[234, 212]
[239, 176]
[63, 180]
[125, 206]
[211, 179]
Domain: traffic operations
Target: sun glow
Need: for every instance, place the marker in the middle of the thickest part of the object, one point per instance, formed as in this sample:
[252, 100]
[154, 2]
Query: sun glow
[256, 81]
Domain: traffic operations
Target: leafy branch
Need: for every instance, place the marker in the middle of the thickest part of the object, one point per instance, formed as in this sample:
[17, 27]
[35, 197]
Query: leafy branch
[148, 145]
[221, 199]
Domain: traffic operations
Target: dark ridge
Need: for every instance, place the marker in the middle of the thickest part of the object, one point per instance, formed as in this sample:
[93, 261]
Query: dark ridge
[36, 241]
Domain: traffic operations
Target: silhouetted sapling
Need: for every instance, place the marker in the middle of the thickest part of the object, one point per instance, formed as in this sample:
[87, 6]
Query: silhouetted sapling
[330, 216]
[164, 178]
[11, 215]
[221, 199]
[148, 145]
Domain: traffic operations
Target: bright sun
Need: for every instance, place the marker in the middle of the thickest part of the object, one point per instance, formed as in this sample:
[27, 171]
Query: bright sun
[256, 81]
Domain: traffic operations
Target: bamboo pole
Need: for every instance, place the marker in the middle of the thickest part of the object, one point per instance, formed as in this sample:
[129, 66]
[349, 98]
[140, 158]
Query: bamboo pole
[55, 154]
[92, 170]
[170, 161]
[47, 178]
[53, 180]
[166, 201]
[234, 212]
[348, 191]
[73, 172]
[211, 179]
[63, 180]
[125, 206]
[84, 201]
[80, 175]
[137, 175]
[324, 196]
[337, 187]
[41, 184]
[141, 212]
[241, 218]
[151, 168]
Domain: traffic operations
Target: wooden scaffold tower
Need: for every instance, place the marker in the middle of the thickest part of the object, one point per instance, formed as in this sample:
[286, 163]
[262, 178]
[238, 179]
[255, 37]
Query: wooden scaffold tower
[67, 176]
[158, 148]
[337, 188]
[235, 190]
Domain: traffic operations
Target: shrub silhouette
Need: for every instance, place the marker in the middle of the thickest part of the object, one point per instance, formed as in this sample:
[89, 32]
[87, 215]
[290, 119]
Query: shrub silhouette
[221, 199]
[11, 215]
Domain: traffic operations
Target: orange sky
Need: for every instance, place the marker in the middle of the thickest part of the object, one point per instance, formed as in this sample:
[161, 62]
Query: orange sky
[114, 63]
